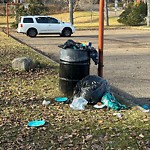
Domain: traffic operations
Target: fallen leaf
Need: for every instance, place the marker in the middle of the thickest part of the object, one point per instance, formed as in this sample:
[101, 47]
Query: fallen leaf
[100, 122]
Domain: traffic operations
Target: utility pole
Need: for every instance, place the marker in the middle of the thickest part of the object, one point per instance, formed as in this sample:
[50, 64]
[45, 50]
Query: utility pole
[101, 37]
[71, 10]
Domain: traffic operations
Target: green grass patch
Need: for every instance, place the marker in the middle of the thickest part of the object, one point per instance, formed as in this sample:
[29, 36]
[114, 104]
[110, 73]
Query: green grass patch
[89, 20]
[21, 97]
[3, 21]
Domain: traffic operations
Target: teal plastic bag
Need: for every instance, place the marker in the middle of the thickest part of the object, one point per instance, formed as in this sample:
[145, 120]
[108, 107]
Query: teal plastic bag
[109, 100]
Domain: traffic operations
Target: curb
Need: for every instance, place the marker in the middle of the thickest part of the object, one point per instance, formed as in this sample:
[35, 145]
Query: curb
[34, 49]
[127, 99]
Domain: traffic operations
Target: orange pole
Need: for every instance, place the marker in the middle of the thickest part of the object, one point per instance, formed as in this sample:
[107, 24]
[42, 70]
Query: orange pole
[101, 37]
[7, 29]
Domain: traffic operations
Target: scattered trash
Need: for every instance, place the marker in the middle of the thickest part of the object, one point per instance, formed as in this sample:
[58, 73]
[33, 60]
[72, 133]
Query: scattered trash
[109, 100]
[70, 44]
[145, 107]
[99, 106]
[119, 115]
[79, 103]
[91, 88]
[95, 89]
[36, 123]
[46, 102]
[146, 110]
[141, 135]
[61, 99]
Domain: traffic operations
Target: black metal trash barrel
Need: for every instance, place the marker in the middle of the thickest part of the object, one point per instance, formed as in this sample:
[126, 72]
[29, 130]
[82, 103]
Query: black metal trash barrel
[74, 65]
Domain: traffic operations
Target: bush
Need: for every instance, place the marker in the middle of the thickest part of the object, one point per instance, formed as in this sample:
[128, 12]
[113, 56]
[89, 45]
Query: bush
[134, 14]
[35, 7]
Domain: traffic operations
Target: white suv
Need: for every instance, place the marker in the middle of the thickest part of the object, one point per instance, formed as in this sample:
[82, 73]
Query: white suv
[33, 25]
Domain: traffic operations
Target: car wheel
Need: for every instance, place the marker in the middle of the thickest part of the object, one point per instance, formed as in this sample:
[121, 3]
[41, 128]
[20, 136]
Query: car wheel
[67, 32]
[32, 32]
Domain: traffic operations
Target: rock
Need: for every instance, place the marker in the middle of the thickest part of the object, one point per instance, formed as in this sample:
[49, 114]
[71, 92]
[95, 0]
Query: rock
[22, 64]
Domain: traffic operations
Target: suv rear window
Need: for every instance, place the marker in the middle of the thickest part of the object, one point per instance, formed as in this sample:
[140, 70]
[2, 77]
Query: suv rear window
[28, 20]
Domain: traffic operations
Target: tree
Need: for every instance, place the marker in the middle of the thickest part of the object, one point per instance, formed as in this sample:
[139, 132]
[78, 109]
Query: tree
[148, 12]
[72, 6]
[134, 14]
[35, 7]
[71, 11]
[106, 12]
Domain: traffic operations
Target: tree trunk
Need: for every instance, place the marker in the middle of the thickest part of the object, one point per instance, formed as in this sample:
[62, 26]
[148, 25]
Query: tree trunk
[148, 12]
[106, 11]
[71, 10]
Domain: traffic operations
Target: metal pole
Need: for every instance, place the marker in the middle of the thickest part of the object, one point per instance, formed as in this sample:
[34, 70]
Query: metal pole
[101, 37]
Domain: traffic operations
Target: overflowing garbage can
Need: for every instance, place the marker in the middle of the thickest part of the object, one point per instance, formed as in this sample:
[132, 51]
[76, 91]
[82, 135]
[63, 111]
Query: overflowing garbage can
[74, 66]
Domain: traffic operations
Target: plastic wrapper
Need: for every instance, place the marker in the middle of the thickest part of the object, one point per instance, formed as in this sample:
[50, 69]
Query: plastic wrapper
[91, 88]
[109, 100]
[79, 103]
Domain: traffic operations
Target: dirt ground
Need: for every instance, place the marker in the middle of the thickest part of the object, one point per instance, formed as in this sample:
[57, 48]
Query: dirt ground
[126, 56]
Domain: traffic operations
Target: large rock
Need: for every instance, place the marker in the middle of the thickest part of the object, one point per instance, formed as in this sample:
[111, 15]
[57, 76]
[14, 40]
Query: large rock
[22, 64]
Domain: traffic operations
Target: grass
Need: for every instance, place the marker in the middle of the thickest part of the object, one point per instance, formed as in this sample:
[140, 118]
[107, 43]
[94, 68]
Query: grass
[21, 96]
[3, 20]
[87, 19]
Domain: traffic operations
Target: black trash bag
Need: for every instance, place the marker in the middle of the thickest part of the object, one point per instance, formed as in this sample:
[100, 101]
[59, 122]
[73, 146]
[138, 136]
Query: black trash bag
[93, 54]
[70, 44]
[91, 88]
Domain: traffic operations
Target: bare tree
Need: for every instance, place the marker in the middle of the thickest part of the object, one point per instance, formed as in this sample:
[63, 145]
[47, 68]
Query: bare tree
[71, 10]
[106, 12]
[75, 3]
[148, 12]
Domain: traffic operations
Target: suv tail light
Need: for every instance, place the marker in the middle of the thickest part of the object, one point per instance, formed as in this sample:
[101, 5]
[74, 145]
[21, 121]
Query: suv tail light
[21, 25]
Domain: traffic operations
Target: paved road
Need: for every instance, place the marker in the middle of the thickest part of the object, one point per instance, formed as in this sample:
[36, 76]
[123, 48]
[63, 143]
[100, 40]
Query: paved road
[126, 56]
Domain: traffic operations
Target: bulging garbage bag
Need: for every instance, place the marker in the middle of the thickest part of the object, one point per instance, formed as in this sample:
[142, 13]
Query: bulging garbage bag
[93, 54]
[70, 44]
[91, 88]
